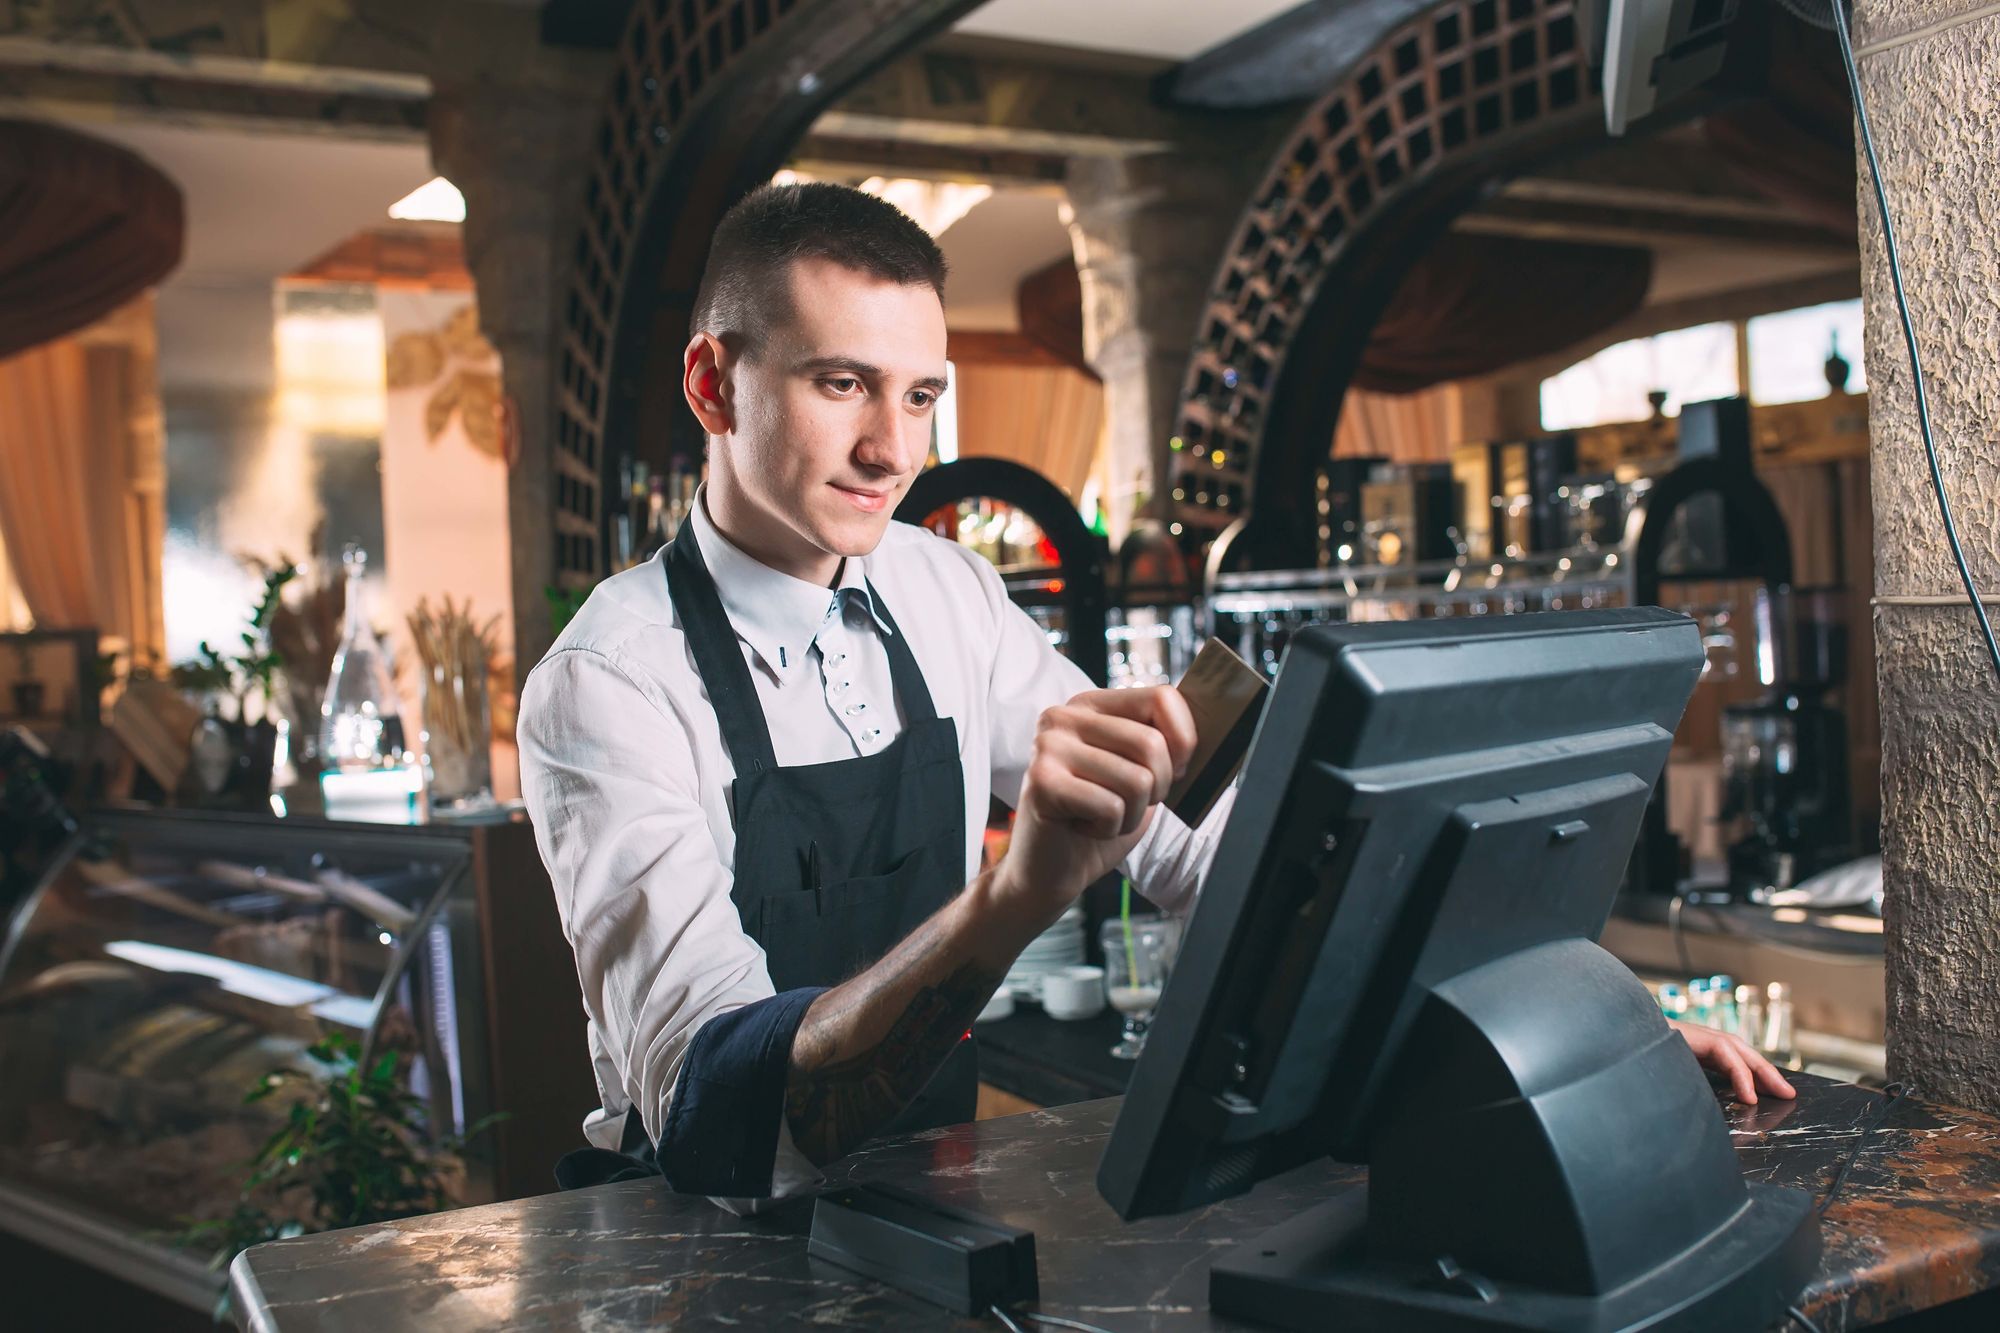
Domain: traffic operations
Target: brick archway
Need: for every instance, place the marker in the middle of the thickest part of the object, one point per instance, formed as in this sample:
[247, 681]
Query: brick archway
[706, 99]
[1446, 104]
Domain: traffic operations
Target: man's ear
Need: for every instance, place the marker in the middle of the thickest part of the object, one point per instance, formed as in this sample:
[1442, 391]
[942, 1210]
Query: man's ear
[704, 380]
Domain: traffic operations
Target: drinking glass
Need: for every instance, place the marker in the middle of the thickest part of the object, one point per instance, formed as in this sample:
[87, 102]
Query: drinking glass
[1137, 959]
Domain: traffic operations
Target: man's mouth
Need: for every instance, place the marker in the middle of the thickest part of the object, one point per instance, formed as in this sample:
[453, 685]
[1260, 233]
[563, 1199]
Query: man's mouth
[868, 501]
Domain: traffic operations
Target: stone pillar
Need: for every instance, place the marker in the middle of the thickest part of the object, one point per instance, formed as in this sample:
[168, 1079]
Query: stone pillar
[510, 126]
[1148, 231]
[1927, 70]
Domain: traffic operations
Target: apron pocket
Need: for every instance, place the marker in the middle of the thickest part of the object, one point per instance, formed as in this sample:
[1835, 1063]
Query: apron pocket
[822, 938]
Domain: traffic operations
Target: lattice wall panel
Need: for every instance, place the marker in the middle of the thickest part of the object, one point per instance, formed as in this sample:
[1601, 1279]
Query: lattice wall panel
[1440, 89]
[673, 54]
[707, 98]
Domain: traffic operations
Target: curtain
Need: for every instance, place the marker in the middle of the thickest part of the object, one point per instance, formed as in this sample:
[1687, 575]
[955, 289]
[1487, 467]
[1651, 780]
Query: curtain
[82, 482]
[14, 613]
[1049, 418]
[1402, 427]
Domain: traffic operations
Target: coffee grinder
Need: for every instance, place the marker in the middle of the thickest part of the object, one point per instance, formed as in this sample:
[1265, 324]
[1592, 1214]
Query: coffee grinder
[1784, 758]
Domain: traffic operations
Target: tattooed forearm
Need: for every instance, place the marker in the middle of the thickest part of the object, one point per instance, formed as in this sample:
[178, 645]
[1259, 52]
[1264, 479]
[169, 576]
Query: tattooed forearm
[835, 1099]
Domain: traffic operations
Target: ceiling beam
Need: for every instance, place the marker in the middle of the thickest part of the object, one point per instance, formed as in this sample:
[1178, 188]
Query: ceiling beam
[827, 156]
[1004, 103]
[1584, 193]
[1633, 225]
[66, 79]
[1290, 58]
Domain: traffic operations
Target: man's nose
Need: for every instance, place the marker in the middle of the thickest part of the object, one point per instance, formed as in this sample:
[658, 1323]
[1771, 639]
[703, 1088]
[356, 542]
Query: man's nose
[880, 445]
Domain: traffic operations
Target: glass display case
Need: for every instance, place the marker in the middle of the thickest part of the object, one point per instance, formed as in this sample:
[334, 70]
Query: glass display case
[167, 961]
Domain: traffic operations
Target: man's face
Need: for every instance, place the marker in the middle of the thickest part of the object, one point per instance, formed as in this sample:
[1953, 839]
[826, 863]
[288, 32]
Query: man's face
[832, 413]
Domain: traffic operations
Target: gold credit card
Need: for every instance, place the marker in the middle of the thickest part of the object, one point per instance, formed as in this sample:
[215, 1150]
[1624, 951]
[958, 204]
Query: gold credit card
[1226, 696]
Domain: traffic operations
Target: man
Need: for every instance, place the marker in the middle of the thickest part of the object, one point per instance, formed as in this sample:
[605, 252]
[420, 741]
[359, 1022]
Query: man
[759, 765]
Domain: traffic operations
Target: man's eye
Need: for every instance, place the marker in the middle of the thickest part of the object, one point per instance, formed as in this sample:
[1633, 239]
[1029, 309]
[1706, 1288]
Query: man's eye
[843, 384]
[922, 398]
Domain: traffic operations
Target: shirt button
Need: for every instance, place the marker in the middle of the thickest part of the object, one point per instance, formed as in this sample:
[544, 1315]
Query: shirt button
[838, 658]
[839, 687]
[855, 710]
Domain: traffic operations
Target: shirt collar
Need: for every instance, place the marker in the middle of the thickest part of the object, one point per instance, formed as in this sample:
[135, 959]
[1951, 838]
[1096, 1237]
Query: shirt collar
[778, 615]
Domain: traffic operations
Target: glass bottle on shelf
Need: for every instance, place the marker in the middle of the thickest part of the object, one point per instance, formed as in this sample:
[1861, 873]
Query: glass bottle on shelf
[367, 769]
[656, 532]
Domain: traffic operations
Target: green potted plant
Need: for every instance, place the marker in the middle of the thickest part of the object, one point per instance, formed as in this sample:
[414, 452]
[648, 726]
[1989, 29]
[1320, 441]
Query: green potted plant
[232, 753]
[352, 1148]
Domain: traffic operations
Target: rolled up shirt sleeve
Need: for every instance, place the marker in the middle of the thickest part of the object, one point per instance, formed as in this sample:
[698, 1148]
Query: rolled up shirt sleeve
[678, 993]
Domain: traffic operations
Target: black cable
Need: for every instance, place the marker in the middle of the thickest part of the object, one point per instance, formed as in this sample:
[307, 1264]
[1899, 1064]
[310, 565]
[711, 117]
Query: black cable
[1909, 331]
[1013, 1327]
[1679, 932]
[1891, 1094]
[1800, 1315]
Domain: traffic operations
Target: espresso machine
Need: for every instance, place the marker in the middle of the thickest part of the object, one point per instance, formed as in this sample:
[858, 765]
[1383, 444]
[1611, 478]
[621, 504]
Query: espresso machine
[1784, 757]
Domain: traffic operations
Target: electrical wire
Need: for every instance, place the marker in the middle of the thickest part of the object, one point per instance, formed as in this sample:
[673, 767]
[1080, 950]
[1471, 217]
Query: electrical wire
[1909, 331]
[1675, 909]
[1061, 1322]
[1891, 1094]
[1800, 1315]
[1001, 1315]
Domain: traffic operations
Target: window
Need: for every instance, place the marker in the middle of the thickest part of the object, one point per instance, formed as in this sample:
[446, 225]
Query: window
[1789, 351]
[1691, 365]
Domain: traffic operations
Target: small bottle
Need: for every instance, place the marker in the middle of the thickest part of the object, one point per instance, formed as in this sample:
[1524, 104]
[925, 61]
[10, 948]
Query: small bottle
[1750, 1015]
[1780, 1040]
[657, 534]
[1722, 1001]
[1700, 1003]
[366, 763]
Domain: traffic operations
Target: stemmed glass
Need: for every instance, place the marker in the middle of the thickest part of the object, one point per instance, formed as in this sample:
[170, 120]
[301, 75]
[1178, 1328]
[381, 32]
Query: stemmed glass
[1137, 959]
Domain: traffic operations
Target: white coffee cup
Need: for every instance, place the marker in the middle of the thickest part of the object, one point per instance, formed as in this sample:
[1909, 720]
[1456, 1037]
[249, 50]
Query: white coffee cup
[1073, 993]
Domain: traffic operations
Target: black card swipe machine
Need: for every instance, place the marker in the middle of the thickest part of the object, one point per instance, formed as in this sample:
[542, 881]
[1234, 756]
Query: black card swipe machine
[948, 1256]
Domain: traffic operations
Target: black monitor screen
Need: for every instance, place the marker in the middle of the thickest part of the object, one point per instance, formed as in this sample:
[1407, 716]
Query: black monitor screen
[1421, 798]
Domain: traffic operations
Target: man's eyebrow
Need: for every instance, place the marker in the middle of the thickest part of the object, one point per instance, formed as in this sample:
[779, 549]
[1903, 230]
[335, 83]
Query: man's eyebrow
[821, 365]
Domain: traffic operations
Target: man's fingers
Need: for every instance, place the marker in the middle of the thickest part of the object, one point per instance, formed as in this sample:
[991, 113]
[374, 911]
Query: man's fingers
[1743, 1064]
[1160, 706]
[1061, 796]
[1139, 742]
[1767, 1075]
[1740, 1079]
[1132, 784]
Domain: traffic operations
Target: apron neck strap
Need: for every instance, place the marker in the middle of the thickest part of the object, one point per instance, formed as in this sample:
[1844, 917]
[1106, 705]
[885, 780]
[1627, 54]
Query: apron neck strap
[911, 692]
[724, 674]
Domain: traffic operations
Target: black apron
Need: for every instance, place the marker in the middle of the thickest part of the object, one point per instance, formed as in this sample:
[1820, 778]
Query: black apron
[835, 863]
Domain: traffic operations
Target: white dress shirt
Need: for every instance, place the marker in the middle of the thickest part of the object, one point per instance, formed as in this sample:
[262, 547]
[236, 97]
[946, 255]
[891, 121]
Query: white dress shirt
[626, 776]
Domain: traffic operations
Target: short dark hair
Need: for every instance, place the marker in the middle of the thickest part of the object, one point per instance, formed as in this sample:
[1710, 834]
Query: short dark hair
[745, 286]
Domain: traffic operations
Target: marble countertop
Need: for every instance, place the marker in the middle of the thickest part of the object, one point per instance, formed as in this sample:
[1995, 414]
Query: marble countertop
[1917, 1225]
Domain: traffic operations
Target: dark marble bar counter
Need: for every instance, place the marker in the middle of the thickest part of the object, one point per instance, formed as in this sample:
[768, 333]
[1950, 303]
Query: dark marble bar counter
[1916, 1226]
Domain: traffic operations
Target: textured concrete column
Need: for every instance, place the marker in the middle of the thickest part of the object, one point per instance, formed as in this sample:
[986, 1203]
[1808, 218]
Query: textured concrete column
[1927, 70]
[1148, 232]
[510, 126]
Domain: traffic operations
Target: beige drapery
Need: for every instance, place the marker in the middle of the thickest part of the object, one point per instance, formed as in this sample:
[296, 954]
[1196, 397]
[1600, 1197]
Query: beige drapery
[82, 482]
[1416, 427]
[1048, 417]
